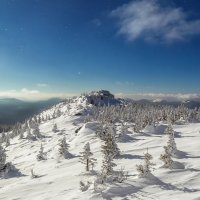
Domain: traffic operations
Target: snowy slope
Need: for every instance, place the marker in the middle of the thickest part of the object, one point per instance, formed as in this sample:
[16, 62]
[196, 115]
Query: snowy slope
[59, 178]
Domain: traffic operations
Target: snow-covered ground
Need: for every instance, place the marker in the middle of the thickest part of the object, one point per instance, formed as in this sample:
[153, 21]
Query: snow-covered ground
[59, 178]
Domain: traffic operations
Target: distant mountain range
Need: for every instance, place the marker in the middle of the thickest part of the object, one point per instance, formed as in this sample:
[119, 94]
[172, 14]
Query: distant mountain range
[14, 110]
[189, 103]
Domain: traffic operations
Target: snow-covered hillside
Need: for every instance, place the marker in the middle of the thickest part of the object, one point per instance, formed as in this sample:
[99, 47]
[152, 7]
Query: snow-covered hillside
[59, 178]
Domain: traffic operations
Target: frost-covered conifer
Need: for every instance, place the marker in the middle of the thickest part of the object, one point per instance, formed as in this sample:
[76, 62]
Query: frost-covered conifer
[2, 158]
[86, 157]
[7, 140]
[21, 134]
[29, 135]
[110, 142]
[36, 131]
[3, 137]
[64, 149]
[26, 125]
[124, 129]
[166, 158]
[109, 150]
[145, 169]
[58, 113]
[41, 155]
[39, 119]
[123, 132]
[171, 145]
[108, 164]
[55, 128]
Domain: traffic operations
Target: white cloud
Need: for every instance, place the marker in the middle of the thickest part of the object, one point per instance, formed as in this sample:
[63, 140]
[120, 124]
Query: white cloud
[42, 85]
[27, 94]
[26, 91]
[163, 96]
[124, 83]
[147, 19]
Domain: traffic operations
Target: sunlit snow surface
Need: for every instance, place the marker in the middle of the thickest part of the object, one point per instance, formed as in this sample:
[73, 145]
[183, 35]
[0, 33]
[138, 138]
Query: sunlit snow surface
[59, 178]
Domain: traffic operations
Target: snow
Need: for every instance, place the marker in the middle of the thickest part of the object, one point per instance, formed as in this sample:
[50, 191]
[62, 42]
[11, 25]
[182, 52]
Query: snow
[59, 178]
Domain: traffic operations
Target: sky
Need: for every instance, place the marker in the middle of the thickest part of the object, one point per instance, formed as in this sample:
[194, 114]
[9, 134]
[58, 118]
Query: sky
[143, 48]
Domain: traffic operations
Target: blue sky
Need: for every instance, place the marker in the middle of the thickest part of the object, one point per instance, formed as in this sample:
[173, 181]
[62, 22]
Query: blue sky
[64, 47]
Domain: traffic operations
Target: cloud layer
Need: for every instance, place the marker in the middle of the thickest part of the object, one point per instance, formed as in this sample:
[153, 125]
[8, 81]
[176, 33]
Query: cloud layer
[148, 20]
[161, 96]
[27, 94]
[42, 85]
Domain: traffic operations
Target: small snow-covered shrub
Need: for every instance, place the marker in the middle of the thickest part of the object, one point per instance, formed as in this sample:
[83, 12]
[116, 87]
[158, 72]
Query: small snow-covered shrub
[145, 169]
[33, 175]
[120, 176]
[84, 186]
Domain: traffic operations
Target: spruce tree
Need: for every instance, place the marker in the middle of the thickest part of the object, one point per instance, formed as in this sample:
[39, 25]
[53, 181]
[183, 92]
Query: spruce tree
[36, 131]
[21, 134]
[41, 155]
[86, 157]
[171, 141]
[7, 140]
[145, 169]
[63, 149]
[29, 135]
[110, 142]
[166, 158]
[108, 164]
[109, 150]
[123, 132]
[55, 128]
[2, 158]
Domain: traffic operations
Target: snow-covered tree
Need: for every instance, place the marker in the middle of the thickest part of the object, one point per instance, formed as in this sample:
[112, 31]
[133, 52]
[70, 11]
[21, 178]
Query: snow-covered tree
[5, 168]
[7, 140]
[109, 150]
[123, 132]
[39, 119]
[108, 164]
[166, 158]
[124, 129]
[21, 134]
[41, 155]
[64, 149]
[145, 169]
[86, 157]
[58, 113]
[171, 141]
[26, 125]
[110, 142]
[55, 128]
[54, 114]
[2, 158]
[3, 137]
[36, 131]
[29, 135]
